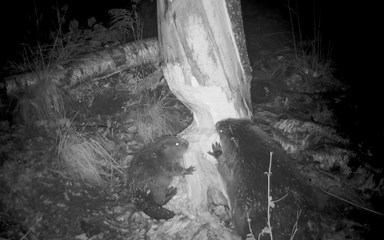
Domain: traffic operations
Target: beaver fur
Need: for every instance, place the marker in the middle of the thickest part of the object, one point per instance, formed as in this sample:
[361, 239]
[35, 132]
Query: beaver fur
[151, 173]
[243, 161]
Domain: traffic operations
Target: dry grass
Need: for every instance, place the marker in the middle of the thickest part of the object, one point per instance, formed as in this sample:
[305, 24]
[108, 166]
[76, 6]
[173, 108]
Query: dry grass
[126, 22]
[41, 99]
[153, 119]
[86, 158]
[45, 102]
[308, 57]
[43, 57]
[287, 61]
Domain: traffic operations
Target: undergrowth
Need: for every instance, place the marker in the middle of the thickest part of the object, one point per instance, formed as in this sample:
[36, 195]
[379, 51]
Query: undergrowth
[153, 117]
[126, 22]
[46, 104]
[308, 57]
[301, 74]
[86, 157]
[43, 98]
[312, 56]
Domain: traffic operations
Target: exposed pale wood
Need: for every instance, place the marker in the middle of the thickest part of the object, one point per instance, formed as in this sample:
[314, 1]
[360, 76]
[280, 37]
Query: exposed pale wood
[206, 66]
[93, 65]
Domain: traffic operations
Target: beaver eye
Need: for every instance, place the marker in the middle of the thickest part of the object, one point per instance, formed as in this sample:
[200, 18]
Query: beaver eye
[177, 144]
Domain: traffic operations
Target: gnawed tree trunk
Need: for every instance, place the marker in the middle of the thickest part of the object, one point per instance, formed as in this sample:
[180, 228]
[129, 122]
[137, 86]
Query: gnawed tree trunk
[206, 65]
[93, 65]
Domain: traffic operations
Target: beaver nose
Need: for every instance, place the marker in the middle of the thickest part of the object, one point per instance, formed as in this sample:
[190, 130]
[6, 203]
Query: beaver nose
[184, 143]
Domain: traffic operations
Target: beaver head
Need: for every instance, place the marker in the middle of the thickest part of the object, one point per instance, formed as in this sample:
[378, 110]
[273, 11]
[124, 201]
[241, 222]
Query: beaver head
[172, 147]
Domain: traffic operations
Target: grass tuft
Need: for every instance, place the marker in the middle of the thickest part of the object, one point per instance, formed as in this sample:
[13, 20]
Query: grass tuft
[85, 157]
[154, 118]
[126, 22]
[308, 57]
[44, 102]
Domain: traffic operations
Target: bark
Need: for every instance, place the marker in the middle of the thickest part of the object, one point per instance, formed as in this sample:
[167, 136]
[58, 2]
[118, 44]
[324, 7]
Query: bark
[92, 65]
[205, 63]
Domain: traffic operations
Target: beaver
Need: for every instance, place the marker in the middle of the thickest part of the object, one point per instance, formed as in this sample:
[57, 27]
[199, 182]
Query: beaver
[151, 173]
[243, 161]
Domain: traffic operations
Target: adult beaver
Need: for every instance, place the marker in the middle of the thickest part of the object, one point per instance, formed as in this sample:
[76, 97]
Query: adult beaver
[243, 161]
[151, 173]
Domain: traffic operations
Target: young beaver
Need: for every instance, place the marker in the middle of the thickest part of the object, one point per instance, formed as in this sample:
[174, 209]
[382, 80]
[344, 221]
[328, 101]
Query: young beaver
[243, 161]
[151, 173]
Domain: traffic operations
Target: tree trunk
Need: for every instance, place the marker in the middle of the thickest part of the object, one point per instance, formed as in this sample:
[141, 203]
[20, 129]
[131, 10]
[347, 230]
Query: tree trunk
[206, 65]
[92, 65]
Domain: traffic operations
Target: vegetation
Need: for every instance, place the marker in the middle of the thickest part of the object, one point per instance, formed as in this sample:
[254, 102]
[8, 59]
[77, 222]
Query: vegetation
[297, 82]
[62, 138]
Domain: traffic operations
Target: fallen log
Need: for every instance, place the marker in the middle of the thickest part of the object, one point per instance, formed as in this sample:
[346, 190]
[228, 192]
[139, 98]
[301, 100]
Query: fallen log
[93, 65]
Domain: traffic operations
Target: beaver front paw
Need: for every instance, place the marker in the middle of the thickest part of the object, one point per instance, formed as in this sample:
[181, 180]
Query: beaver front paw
[171, 192]
[217, 150]
[189, 170]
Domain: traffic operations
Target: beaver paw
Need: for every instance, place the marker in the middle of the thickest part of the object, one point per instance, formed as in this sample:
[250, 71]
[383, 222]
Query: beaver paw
[217, 150]
[189, 170]
[171, 192]
[157, 212]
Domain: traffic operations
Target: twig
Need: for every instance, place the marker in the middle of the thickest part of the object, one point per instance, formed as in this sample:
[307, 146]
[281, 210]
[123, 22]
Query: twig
[352, 203]
[38, 220]
[295, 228]
[268, 229]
